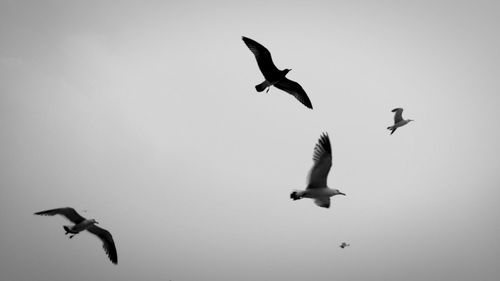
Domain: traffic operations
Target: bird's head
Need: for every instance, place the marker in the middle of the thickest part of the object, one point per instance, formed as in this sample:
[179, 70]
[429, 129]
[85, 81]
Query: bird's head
[286, 70]
[94, 221]
[337, 192]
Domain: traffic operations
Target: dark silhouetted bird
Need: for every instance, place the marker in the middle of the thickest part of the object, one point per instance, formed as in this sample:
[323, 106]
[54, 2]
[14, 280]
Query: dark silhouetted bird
[398, 120]
[274, 76]
[344, 244]
[81, 224]
[317, 188]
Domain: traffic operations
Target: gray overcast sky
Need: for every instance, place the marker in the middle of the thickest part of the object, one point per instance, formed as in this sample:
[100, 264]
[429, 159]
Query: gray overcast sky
[145, 114]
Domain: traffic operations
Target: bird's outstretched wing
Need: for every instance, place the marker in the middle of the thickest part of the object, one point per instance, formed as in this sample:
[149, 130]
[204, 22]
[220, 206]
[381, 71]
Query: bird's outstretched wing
[294, 89]
[263, 57]
[323, 202]
[399, 115]
[322, 158]
[68, 212]
[107, 242]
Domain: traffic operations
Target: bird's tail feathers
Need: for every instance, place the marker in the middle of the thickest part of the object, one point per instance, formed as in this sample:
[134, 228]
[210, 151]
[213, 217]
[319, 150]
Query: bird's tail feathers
[262, 86]
[296, 195]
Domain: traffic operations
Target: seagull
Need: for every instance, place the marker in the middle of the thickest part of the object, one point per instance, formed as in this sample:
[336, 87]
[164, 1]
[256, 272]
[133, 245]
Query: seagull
[316, 188]
[344, 244]
[274, 76]
[398, 120]
[81, 224]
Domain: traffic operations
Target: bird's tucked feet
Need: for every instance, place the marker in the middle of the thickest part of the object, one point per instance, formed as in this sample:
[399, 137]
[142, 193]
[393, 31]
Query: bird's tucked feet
[295, 195]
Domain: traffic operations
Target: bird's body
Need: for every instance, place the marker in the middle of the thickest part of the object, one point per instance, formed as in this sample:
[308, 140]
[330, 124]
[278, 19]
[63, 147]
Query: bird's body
[319, 192]
[274, 76]
[81, 224]
[271, 80]
[344, 244]
[398, 120]
[317, 187]
[79, 227]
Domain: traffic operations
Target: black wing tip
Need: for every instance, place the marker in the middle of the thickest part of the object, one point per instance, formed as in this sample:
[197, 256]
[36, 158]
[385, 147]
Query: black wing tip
[45, 212]
[324, 141]
[307, 102]
[247, 40]
[42, 213]
[49, 212]
[112, 254]
[324, 136]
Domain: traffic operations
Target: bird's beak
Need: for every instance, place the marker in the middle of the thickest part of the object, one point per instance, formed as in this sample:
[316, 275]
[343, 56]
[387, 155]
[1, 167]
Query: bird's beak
[342, 193]
[97, 222]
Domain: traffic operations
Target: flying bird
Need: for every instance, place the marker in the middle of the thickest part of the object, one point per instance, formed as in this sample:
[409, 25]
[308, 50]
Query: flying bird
[81, 224]
[274, 76]
[344, 244]
[398, 120]
[317, 188]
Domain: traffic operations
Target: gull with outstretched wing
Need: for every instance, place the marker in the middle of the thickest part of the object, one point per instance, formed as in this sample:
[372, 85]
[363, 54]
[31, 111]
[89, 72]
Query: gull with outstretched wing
[398, 120]
[81, 224]
[317, 188]
[274, 76]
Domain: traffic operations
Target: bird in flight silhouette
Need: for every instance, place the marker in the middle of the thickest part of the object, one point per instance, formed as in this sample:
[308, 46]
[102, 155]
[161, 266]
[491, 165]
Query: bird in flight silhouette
[81, 224]
[274, 76]
[398, 120]
[317, 188]
[344, 244]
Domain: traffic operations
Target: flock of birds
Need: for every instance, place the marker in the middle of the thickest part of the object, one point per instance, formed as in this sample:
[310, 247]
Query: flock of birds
[316, 189]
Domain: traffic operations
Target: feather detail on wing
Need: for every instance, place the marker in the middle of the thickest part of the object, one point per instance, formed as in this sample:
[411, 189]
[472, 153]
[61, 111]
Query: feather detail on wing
[294, 89]
[398, 116]
[263, 57]
[107, 242]
[322, 158]
[67, 212]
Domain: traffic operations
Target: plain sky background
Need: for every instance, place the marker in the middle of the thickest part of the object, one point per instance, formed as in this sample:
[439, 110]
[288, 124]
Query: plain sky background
[145, 114]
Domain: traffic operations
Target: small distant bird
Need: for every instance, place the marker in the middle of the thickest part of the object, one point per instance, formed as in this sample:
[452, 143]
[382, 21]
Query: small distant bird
[398, 120]
[81, 224]
[344, 244]
[274, 76]
[317, 188]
